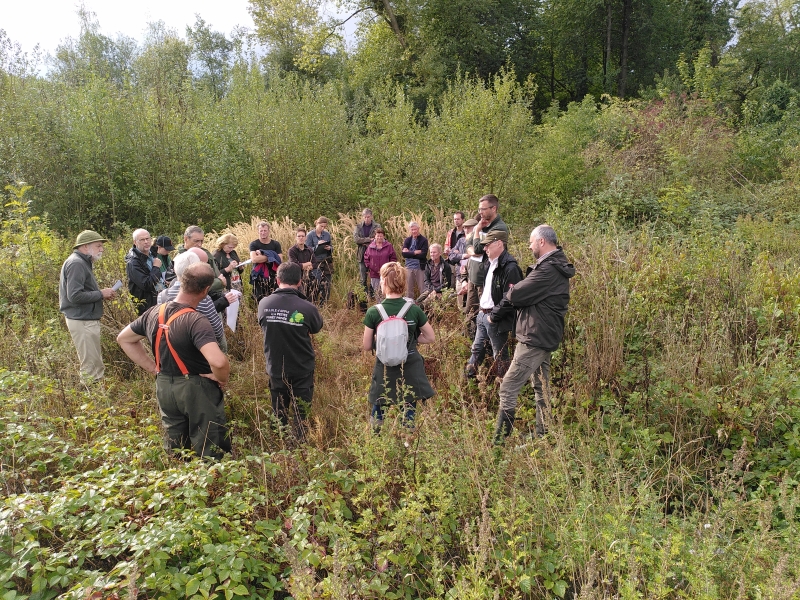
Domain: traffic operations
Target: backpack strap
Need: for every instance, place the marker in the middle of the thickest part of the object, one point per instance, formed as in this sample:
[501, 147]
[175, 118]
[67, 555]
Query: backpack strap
[382, 311]
[406, 307]
[163, 328]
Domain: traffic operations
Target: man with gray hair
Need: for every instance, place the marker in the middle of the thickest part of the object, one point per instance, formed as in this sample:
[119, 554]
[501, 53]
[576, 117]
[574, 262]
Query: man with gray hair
[143, 270]
[194, 237]
[541, 301]
[415, 251]
[363, 235]
[205, 307]
[81, 301]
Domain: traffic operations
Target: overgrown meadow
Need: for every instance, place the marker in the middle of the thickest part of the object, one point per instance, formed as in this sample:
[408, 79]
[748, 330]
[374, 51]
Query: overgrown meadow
[672, 465]
[671, 469]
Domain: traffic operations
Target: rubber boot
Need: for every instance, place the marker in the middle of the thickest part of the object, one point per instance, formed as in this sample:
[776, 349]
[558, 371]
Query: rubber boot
[505, 422]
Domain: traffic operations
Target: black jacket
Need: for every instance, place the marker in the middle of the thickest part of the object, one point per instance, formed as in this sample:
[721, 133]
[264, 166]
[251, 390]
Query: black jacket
[287, 320]
[476, 241]
[142, 279]
[541, 300]
[446, 274]
[505, 274]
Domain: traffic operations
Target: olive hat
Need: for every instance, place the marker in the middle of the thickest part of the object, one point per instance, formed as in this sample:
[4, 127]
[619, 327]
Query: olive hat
[88, 237]
[494, 235]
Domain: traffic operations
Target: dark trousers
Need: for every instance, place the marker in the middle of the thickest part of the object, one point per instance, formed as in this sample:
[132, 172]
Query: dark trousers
[473, 303]
[193, 414]
[291, 401]
[366, 282]
[263, 286]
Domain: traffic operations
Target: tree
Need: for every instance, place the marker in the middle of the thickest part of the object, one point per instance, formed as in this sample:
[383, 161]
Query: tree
[211, 55]
[298, 38]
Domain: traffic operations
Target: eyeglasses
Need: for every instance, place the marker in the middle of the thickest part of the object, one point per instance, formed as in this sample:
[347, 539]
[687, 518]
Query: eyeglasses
[482, 208]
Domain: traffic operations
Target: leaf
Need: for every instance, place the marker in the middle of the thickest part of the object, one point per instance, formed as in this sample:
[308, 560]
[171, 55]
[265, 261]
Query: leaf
[560, 588]
[241, 590]
[192, 586]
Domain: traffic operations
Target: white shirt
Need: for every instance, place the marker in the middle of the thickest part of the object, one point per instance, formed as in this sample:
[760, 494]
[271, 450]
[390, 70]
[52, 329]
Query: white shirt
[486, 296]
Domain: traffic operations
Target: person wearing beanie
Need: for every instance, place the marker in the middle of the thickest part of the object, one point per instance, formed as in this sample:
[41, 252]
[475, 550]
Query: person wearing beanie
[81, 302]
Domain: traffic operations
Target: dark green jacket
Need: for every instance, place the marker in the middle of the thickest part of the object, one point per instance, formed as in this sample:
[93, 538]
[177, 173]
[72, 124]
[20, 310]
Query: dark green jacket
[541, 300]
[79, 296]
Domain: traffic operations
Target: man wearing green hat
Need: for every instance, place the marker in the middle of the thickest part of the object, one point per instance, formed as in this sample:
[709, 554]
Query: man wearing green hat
[81, 301]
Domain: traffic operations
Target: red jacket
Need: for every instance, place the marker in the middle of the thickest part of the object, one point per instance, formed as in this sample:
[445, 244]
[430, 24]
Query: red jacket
[374, 259]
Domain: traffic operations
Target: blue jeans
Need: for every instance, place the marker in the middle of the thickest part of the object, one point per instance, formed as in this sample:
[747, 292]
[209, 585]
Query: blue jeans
[377, 413]
[499, 341]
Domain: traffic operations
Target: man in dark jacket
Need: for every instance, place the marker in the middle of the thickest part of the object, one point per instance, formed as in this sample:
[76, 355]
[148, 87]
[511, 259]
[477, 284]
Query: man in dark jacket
[415, 252]
[541, 301]
[363, 235]
[288, 320]
[143, 270]
[438, 276]
[81, 301]
[494, 321]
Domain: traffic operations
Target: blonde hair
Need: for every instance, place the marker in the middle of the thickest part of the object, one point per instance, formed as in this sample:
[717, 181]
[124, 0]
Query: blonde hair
[394, 274]
[226, 239]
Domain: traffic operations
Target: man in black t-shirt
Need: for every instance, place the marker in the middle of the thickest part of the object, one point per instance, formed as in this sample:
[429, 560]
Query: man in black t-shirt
[262, 252]
[288, 320]
[191, 369]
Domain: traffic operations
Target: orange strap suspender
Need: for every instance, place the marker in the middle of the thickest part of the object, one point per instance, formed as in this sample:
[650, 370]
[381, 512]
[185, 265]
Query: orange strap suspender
[164, 328]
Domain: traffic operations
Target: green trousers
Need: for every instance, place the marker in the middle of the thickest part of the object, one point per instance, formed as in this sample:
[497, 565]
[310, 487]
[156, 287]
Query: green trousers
[193, 414]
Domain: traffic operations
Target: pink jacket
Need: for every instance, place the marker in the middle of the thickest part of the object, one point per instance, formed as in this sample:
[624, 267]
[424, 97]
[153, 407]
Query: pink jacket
[374, 259]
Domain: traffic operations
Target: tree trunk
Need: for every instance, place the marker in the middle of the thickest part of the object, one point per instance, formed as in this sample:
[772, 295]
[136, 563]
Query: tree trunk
[393, 22]
[607, 57]
[623, 59]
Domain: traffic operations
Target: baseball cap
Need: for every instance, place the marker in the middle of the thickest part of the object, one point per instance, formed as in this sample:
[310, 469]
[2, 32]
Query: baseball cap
[163, 241]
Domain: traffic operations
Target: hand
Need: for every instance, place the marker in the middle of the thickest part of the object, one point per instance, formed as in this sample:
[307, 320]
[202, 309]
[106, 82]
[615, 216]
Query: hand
[417, 251]
[222, 385]
[108, 293]
[232, 296]
[222, 279]
[157, 262]
[232, 266]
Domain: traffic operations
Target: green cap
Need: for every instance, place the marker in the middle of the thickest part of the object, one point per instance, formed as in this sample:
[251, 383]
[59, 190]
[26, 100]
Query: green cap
[493, 236]
[88, 237]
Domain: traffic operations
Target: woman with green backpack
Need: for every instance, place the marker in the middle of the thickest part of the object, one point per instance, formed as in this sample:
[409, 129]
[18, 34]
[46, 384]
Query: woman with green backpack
[399, 372]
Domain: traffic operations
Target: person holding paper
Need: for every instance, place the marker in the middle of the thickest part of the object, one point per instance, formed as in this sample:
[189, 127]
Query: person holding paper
[81, 301]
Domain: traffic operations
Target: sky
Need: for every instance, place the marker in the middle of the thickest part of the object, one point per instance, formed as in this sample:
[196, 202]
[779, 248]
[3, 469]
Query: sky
[47, 22]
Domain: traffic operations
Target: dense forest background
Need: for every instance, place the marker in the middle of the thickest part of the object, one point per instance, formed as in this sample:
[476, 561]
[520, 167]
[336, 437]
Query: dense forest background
[659, 138]
[543, 103]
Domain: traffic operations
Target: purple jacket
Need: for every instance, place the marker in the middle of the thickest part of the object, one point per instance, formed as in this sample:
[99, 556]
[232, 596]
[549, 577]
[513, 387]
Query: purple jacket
[374, 259]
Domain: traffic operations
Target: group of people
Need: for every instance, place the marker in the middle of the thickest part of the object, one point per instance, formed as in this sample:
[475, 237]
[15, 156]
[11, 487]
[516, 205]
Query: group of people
[180, 302]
